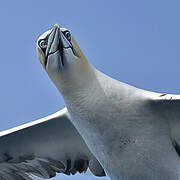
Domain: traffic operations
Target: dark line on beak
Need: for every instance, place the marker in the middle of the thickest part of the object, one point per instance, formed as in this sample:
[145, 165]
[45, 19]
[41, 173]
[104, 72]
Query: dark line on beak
[60, 47]
[45, 62]
[62, 60]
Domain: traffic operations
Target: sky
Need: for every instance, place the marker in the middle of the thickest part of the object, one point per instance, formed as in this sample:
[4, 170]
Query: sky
[135, 41]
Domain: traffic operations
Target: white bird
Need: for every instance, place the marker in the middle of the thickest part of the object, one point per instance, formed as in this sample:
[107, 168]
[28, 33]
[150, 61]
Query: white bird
[131, 133]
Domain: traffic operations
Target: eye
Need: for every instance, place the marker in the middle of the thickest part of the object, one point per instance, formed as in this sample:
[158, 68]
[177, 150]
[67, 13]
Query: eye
[67, 34]
[42, 44]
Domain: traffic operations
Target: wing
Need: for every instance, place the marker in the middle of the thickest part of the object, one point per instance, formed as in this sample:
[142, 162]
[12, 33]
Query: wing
[168, 105]
[43, 148]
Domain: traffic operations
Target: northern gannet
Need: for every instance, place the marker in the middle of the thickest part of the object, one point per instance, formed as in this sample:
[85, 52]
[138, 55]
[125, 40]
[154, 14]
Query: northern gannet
[132, 134]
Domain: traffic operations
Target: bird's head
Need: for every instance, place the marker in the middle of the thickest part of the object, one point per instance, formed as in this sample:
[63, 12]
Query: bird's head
[62, 58]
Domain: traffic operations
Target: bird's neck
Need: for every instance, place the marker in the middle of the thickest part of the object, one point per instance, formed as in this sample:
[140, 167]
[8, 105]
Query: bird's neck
[85, 91]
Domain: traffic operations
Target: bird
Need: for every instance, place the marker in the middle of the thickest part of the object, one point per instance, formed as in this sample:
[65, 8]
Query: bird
[108, 126]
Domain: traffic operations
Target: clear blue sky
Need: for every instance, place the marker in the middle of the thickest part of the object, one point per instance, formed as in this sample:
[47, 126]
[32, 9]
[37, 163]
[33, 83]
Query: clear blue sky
[135, 41]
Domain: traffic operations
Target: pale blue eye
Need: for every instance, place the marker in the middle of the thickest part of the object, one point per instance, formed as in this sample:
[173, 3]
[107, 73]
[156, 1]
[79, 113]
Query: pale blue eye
[67, 34]
[43, 44]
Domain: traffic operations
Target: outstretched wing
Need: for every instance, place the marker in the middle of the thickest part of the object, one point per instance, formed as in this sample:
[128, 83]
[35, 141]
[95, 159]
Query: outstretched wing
[169, 107]
[43, 148]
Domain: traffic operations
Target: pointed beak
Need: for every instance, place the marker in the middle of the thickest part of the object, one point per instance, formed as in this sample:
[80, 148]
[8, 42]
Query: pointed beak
[54, 43]
[53, 40]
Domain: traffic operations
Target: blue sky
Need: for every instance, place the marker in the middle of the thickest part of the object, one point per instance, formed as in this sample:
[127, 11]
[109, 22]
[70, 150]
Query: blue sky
[135, 41]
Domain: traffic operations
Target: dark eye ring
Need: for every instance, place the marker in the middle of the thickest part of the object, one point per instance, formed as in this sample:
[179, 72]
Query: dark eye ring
[43, 44]
[67, 34]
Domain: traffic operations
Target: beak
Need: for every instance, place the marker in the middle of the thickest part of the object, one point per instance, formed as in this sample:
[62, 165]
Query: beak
[53, 40]
[56, 42]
